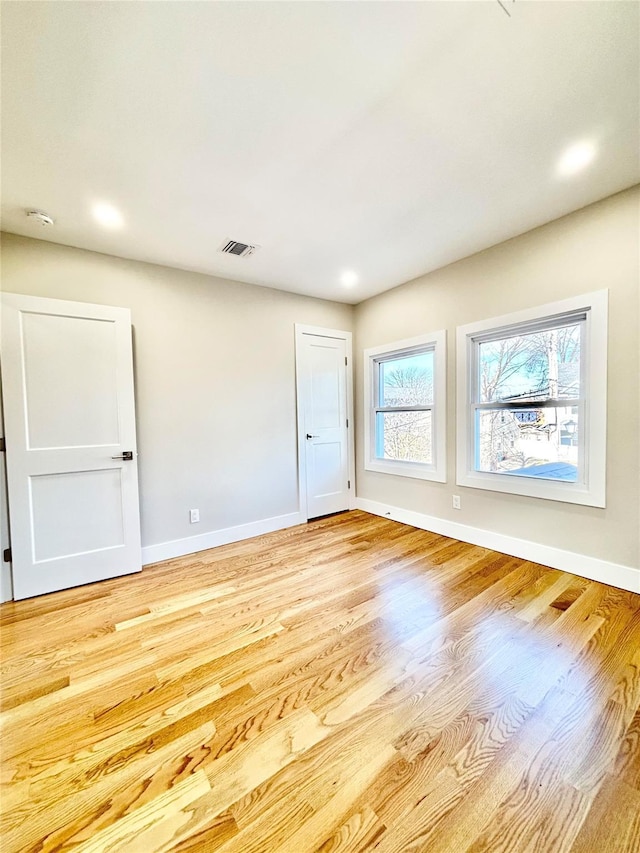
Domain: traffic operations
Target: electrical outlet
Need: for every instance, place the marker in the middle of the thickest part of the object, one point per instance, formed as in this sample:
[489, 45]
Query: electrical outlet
[194, 516]
[456, 501]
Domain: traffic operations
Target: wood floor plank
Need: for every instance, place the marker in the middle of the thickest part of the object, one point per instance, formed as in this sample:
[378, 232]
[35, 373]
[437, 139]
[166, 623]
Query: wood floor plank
[147, 827]
[627, 764]
[18, 694]
[358, 833]
[351, 684]
[67, 816]
[313, 833]
[613, 822]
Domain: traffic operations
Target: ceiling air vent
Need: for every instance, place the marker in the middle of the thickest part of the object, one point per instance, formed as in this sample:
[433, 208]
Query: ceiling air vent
[242, 250]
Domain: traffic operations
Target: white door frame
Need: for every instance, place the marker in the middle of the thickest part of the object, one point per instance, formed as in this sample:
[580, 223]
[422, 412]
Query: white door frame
[300, 331]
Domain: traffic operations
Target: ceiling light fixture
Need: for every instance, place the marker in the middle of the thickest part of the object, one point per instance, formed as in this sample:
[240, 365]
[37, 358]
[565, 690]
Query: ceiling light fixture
[40, 217]
[576, 158]
[107, 215]
[349, 278]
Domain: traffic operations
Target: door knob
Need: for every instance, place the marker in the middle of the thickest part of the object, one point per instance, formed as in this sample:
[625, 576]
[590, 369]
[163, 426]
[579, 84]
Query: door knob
[312, 436]
[127, 456]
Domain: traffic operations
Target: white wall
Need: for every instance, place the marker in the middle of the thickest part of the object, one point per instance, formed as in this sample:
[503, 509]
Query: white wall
[215, 377]
[597, 247]
[215, 381]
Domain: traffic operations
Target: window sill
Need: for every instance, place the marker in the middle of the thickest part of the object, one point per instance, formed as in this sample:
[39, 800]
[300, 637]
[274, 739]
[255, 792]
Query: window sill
[554, 490]
[406, 469]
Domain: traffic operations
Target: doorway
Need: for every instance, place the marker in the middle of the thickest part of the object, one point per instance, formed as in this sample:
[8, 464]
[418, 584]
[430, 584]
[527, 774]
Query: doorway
[324, 384]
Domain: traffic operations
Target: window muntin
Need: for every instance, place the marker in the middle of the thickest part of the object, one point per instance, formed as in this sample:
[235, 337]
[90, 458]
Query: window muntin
[405, 395]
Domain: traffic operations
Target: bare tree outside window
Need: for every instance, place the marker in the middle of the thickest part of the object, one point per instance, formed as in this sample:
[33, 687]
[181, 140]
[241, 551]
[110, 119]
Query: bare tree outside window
[404, 424]
[516, 372]
[405, 398]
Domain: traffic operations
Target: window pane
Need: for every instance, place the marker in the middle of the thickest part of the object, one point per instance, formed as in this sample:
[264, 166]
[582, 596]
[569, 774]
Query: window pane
[534, 366]
[540, 443]
[407, 381]
[406, 436]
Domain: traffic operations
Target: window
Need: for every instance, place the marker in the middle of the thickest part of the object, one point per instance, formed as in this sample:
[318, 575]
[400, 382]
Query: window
[405, 404]
[532, 402]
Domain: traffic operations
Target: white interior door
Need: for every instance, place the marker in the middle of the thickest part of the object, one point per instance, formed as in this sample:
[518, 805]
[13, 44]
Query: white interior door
[322, 390]
[67, 383]
[6, 590]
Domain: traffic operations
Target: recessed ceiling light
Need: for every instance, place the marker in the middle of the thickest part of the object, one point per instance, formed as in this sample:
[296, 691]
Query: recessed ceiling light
[349, 278]
[107, 215]
[576, 158]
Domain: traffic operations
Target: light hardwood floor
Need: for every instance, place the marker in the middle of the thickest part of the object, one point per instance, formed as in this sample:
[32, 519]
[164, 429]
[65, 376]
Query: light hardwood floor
[348, 685]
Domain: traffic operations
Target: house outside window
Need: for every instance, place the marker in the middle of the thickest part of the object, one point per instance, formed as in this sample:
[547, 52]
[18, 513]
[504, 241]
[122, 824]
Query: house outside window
[405, 400]
[532, 402]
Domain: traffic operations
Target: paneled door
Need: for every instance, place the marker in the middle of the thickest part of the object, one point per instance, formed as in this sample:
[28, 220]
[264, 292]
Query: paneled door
[72, 474]
[323, 422]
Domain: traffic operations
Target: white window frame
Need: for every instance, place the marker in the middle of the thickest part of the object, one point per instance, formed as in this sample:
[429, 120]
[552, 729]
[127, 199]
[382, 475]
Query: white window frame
[590, 490]
[437, 343]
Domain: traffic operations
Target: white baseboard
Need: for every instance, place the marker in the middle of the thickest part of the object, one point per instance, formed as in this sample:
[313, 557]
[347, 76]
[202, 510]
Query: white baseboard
[624, 577]
[180, 547]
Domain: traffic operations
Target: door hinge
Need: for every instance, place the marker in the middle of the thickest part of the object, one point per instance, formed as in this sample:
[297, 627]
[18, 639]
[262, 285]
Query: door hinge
[345, 361]
[347, 423]
[348, 484]
[3, 446]
[6, 555]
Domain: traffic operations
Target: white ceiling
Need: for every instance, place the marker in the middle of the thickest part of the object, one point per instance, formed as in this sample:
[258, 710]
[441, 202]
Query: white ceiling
[388, 138]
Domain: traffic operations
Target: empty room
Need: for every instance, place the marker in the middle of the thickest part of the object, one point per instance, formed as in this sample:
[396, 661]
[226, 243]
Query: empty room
[320, 426]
